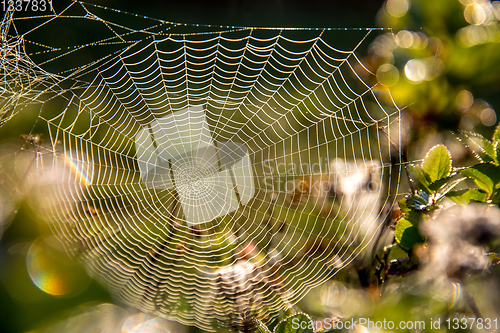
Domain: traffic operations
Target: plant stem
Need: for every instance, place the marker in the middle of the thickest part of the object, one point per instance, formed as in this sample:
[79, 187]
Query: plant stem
[472, 303]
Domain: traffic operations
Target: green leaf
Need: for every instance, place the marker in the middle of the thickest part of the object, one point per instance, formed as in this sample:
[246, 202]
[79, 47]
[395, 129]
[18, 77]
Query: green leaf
[495, 258]
[497, 151]
[298, 323]
[418, 201]
[463, 197]
[436, 185]
[261, 327]
[407, 234]
[404, 206]
[495, 197]
[437, 163]
[445, 183]
[496, 135]
[419, 177]
[443, 190]
[482, 148]
[485, 175]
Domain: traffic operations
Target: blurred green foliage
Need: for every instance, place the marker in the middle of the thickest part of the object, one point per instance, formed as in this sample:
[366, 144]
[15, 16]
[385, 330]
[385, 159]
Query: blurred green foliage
[441, 63]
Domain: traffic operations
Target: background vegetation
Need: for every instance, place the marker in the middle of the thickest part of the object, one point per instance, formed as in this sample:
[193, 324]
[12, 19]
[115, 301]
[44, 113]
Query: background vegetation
[444, 64]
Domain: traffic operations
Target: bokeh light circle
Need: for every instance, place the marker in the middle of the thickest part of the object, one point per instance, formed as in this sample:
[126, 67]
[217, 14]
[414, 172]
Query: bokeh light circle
[397, 8]
[415, 70]
[388, 75]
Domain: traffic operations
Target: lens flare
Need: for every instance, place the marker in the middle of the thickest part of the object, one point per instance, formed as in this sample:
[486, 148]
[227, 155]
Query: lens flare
[456, 298]
[79, 169]
[52, 273]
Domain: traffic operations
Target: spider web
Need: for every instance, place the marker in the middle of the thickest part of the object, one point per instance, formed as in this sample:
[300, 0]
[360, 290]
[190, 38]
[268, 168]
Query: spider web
[205, 174]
